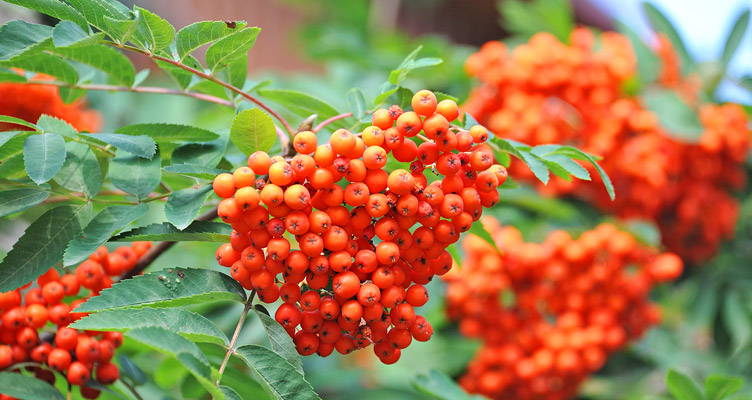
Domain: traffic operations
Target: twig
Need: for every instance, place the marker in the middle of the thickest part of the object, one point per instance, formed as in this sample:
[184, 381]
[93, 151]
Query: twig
[147, 89]
[212, 78]
[157, 250]
[235, 334]
[132, 389]
[284, 143]
[330, 120]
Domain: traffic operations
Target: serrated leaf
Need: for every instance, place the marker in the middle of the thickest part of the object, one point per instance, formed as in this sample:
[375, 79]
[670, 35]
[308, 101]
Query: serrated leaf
[236, 73]
[18, 121]
[578, 154]
[131, 370]
[440, 386]
[253, 130]
[44, 155]
[46, 64]
[20, 37]
[398, 75]
[302, 104]
[135, 175]
[569, 166]
[196, 171]
[735, 37]
[166, 342]
[537, 166]
[172, 287]
[188, 324]
[121, 30]
[141, 145]
[183, 205]
[41, 246]
[96, 10]
[81, 171]
[480, 231]
[141, 77]
[197, 34]
[207, 154]
[11, 154]
[231, 47]
[202, 372]
[198, 231]
[682, 387]
[277, 376]
[161, 132]
[357, 101]
[230, 393]
[680, 120]
[280, 340]
[153, 30]
[103, 58]
[15, 200]
[49, 124]
[96, 233]
[737, 321]
[718, 387]
[54, 8]
[68, 33]
[26, 387]
[648, 63]
[660, 23]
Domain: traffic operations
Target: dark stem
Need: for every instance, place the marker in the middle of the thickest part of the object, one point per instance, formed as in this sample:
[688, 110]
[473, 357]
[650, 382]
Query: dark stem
[157, 250]
[132, 389]
[330, 120]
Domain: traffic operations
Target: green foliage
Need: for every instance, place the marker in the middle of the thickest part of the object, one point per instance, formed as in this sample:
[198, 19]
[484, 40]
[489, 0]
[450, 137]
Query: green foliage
[15, 200]
[230, 48]
[662, 24]
[197, 231]
[303, 105]
[166, 133]
[54, 8]
[441, 387]
[277, 375]
[26, 387]
[135, 175]
[141, 145]
[717, 387]
[252, 130]
[81, 171]
[679, 119]
[525, 18]
[167, 288]
[648, 63]
[682, 387]
[735, 36]
[280, 340]
[197, 34]
[44, 155]
[183, 205]
[153, 31]
[99, 230]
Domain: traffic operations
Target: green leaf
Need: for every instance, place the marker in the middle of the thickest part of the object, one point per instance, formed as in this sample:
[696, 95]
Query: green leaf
[569, 166]
[46, 64]
[26, 387]
[578, 154]
[661, 24]
[735, 37]
[437, 385]
[170, 343]
[409, 63]
[648, 63]
[20, 37]
[682, 387]
[81, 171]
[141, 77]
[479, 230]
[135, 175]
[153, 30]
[121, 30]
[198, 231]
[280, 341]
[539, 168]
[67, 33]
[680, 120]
[15, 200]
[44, 155]
[12, 77]
[237, 73]
[253, 130]
[54, 8]
[303, 104]
[11, 154]
[736, 320]
[131, 370]
[18, 121]
[357, 101]
[195, 171]
[96, 233]
[207, 154]
[231, 47]
[277, 376]
[49, 124]
[41, 246]
[197, 34]
[95, 11]
[183, 205]
[719, 387]
[202, 372]
[172, 287]
[528, 18]
[161, 132]
[141, 145]
[230, 393]
[101, 57]
[188, 324]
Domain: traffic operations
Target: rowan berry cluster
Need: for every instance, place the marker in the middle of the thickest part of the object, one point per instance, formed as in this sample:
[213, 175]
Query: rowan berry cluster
[35, 322]
[359, 270]
[29, 101]
[549, 314]
[545, 91]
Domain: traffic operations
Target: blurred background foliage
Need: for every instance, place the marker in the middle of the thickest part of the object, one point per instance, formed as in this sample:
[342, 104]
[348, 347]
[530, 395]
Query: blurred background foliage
[331, 46]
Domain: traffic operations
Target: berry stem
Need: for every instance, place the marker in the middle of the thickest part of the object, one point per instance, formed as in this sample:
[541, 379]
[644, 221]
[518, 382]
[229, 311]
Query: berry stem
[211, 78]
[235, 334]
[330, 120]
[146, 89]
[132, 389]
[157, 250]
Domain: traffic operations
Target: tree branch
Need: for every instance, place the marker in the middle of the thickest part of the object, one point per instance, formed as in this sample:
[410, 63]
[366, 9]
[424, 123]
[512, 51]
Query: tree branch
[212, 78]
[235, 334]
[147, 89]
[157, 250]
[330, 120]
